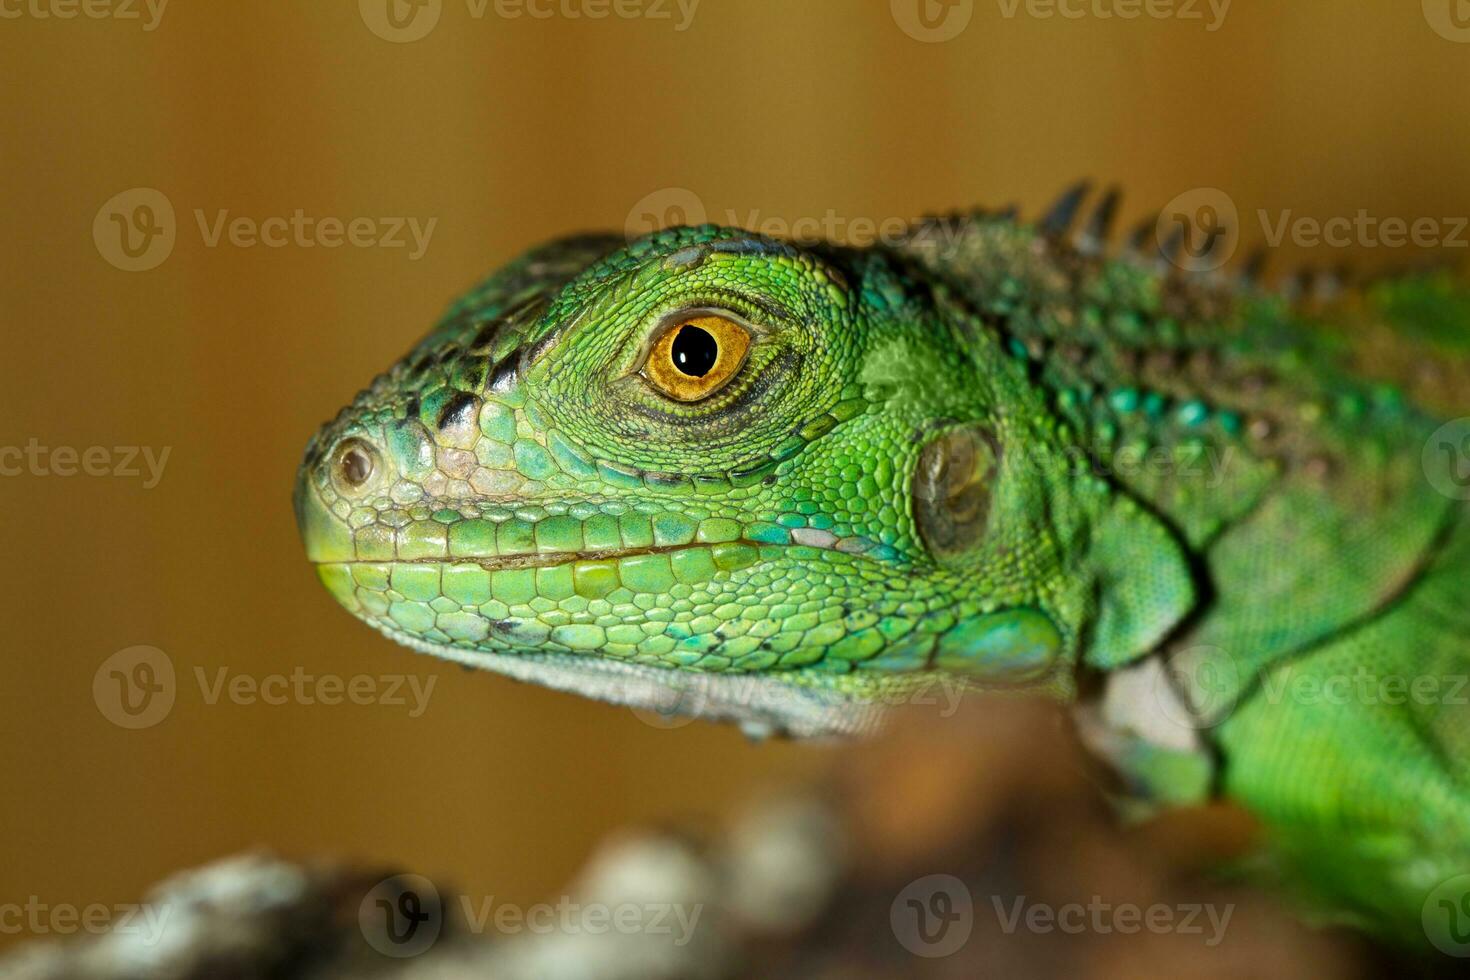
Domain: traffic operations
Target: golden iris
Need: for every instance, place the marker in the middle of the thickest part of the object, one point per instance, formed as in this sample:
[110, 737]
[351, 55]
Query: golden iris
[696, 357]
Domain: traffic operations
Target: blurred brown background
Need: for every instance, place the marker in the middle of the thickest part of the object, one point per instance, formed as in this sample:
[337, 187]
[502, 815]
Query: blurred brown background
[508, 130]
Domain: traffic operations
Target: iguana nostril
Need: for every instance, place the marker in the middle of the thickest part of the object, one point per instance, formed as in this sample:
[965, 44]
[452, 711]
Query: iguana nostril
[354, 465]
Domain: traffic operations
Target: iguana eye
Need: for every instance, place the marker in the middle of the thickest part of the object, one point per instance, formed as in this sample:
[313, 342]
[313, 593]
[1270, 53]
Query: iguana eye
[696, 356]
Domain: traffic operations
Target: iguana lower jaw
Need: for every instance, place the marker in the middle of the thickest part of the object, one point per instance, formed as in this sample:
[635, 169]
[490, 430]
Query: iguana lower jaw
[508, 613]
[523, 599]
[762, 706]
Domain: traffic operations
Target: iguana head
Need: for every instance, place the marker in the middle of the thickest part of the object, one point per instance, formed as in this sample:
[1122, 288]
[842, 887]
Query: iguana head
[786, 481]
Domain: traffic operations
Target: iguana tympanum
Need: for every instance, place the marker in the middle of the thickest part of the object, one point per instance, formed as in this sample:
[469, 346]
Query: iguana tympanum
[798, 480]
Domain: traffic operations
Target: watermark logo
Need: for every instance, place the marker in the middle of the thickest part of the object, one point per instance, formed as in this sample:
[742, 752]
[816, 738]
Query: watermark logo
[135, 230]
[674, 708]
[933, 916]
[1197, 687]
[148, 12]
[1206, 224]
[401, 916]
[135, 688]
[400, 21]
[1449, 18]
[1446, 916]
[667, 207]
[932, 21]
[1447, 459]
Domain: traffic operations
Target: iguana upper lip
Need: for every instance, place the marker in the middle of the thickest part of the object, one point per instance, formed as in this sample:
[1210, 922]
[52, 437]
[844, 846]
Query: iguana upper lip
[547, 559]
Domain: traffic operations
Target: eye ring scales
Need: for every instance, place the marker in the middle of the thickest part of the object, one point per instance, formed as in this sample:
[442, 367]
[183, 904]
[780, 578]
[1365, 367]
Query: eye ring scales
[696, 356]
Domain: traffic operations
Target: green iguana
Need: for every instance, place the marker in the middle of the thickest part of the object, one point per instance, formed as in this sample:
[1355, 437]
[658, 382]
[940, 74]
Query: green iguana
[790, 482]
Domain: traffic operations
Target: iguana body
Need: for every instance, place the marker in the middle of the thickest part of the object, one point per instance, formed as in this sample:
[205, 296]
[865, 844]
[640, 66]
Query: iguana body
[794, 482]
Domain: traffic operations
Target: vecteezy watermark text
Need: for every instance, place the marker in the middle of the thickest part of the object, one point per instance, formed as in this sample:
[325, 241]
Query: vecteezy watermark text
[1363, 230]
[34, 917]
[137, 687]
[405, 21]
[129, 462]
[567, 917]
[1205, 223]
[668, 207]
[403, 916]
[934, 916]
[1200, 685]
[300, 687]
[1364, 686]
[1211, 13]
[150, 12]
[1126, 918]
[304, 231]
[136, 230]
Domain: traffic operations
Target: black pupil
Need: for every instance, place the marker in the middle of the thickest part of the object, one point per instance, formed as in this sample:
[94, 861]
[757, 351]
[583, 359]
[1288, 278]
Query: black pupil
[695, 351]
[356, 467]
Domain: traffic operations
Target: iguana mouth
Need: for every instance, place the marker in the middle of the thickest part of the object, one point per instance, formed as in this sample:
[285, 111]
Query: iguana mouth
[542, 560]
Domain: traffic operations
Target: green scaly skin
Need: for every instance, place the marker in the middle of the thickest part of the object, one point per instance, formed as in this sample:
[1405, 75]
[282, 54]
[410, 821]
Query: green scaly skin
[928, 468]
